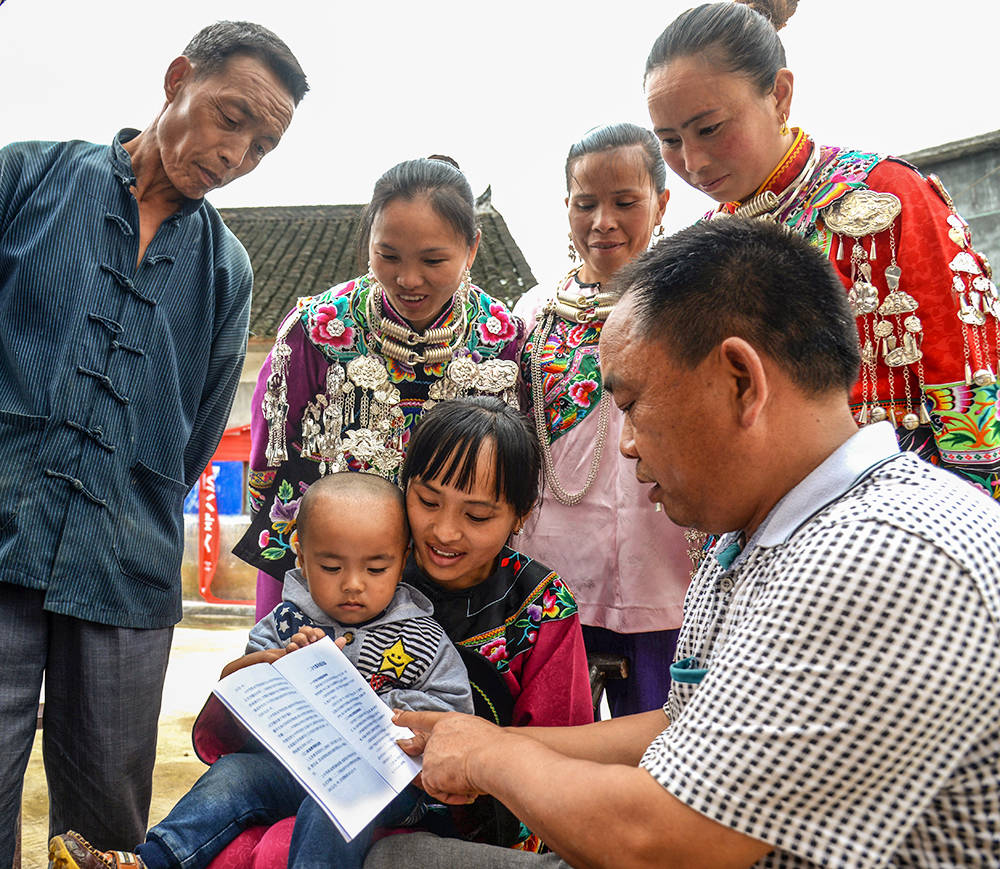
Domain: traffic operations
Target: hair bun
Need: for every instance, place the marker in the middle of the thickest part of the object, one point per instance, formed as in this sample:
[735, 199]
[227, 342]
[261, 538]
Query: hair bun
[776, 11]
[444, 158]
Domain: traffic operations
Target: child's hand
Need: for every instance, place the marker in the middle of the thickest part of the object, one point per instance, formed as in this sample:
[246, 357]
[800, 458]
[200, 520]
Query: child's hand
[264, 656]
[306, 635]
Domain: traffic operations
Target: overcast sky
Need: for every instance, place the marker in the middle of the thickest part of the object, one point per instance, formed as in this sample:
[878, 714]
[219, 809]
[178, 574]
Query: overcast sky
[502, 87]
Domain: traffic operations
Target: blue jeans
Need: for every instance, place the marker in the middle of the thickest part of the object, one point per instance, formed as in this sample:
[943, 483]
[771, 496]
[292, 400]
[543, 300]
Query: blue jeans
[248, 788]
[316, 842]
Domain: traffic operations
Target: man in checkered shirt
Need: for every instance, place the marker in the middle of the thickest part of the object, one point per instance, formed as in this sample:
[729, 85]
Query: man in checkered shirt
[836, 699]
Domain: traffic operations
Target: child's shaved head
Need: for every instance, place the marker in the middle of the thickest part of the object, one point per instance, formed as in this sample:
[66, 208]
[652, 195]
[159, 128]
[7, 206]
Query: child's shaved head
[361, 497]
[352, 544]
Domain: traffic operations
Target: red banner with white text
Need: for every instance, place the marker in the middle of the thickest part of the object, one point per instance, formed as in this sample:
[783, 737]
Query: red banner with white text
[208, 533]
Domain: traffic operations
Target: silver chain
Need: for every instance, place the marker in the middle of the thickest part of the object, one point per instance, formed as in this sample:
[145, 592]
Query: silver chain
[400, 343]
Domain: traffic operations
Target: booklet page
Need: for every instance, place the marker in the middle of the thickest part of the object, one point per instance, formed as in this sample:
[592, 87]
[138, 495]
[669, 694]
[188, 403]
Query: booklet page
[323, 673]
[328, 765]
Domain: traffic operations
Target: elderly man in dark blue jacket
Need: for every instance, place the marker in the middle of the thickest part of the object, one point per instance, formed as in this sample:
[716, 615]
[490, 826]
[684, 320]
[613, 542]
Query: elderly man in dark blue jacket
[124, 304]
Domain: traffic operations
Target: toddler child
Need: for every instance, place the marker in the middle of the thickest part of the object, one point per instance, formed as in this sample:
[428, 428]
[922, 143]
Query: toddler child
[352, 544]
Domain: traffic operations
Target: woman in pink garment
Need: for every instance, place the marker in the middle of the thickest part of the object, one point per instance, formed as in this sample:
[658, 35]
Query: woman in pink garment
[628, 566]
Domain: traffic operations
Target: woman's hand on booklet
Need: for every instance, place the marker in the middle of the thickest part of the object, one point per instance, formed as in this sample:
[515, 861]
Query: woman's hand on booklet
[447, 740]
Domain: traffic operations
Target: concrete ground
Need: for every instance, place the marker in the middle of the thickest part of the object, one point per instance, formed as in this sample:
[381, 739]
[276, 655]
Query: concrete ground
[201, 648]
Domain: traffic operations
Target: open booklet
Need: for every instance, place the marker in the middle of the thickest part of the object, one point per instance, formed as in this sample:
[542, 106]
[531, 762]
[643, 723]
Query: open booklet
[314, 711]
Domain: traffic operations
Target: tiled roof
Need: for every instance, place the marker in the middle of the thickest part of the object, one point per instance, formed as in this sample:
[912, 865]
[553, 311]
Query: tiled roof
[937, 154]
[301, 250]
[500, 267]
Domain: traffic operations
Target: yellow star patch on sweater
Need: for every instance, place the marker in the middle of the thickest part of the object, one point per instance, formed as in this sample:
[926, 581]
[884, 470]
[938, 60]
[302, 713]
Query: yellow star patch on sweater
[396, 658]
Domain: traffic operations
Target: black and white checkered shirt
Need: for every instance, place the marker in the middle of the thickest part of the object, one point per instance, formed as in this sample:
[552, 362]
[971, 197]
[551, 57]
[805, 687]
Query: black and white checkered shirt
[850, 712]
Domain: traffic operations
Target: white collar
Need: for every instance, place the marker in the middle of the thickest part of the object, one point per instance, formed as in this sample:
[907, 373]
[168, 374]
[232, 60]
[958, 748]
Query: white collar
[839, 472]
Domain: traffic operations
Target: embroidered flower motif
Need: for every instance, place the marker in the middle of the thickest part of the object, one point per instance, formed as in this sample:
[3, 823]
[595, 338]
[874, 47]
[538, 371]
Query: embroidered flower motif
[495, 651]
[328, 328]
[581, 391]
[550, 604]
[437, 369]
[264, 539]
[499, 326]
[399, 371]
[283, 514]
[261, 479]
[535, 613]
[580, 333]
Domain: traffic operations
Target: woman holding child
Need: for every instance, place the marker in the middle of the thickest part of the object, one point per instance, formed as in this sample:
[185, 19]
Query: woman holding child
[628, 565]
[347, 587]
[719, 96]
[470, 479]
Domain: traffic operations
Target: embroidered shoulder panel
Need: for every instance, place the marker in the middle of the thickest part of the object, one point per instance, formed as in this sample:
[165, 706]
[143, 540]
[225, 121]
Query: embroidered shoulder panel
[336, 322]
[838, 172]
[549, 600]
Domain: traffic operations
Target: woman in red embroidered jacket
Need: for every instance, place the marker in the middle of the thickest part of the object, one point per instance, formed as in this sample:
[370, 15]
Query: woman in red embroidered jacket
[719, 97]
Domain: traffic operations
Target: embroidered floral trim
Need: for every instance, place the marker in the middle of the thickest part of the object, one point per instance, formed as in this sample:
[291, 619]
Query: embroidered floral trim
[499, 326]
[279, 540]
[551, 600]
[571, 377]
[965, 422]
[326, 326]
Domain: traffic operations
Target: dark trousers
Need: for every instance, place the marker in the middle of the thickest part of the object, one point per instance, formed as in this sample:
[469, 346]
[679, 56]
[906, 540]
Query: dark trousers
[102, 700]
[427, 851]
[650, 655]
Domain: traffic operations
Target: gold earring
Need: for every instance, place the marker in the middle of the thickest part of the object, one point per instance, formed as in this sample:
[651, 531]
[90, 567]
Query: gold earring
[572, 248]
[784, 125]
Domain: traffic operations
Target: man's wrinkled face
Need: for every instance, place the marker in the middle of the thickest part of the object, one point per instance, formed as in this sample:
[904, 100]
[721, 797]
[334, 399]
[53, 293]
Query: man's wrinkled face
[218, 128]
